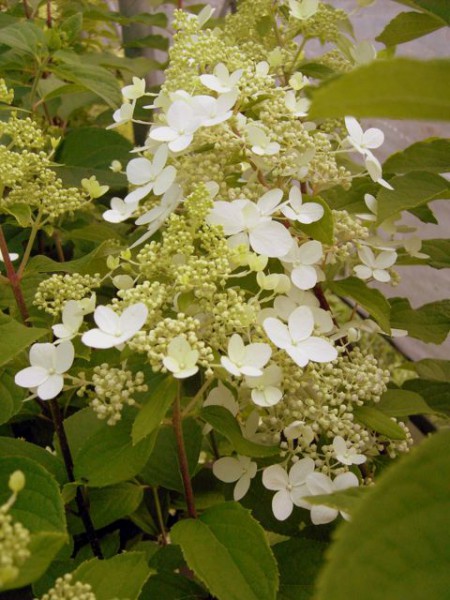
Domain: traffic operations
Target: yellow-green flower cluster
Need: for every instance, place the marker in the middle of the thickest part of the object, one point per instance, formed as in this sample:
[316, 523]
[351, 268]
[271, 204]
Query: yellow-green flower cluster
[54, 292]
[6, 94]
[67, 589]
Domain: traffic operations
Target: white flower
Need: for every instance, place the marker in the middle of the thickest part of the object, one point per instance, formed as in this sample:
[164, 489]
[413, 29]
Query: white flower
[48, 365]
[412, 246]
[361, 140]
[363, 53]
[265, 236]
[296, 210]
[182, 122]
[221, 81]
[134, 91]
[181, 359]
[278, 282]
[375, 171]
[290, 488]
[245, 360]
[265, 388]
[296, 338]
[156, 216]
[241, 469]
[150, 176]
[119, 211]
[12, 256]
[372, 204]
[122, 115]
[298, 81]
[298, 107]
[304, 274]
[318, 484]
[346, 455]
[261, 143]
[222, 396]
[297, 430]
[212, 111]
[113, 329]
[375, 267]
[72, 317]
[303, 9]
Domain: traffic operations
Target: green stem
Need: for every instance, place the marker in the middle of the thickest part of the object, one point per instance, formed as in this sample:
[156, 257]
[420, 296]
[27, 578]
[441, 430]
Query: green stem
[26, 255]
[182, 456]
[159, 516]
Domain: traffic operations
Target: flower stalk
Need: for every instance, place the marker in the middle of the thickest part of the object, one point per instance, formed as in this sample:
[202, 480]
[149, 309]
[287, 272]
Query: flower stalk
[182, 456]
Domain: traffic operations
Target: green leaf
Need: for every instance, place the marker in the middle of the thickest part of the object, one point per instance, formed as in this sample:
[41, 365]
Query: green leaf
[15, 338]
[154, 410]
[72, 26]
[170, 586]
[430, 155]
[11, 398]
[94, 148]
[370, 299]
[402, 403]
[20, 448]
[21, 212]
[38, 506]
[377, 421]
[72, 176]
[228, 551]
[429, 323]
[151, 19]
[399, 88]
[440, 8]
[322, 230]
[431, 368]
[410, 191]
[162, 467]
[351, 200]
[119, 577]
[436, 393]
[316, 70]
[96, 79]
[223, 421]
[24, 36]
[409, 26]
[44, 546]
[345, 500]
[156, 41]
[439, 253]
[396, 545]
[108, 456]
[299, 561]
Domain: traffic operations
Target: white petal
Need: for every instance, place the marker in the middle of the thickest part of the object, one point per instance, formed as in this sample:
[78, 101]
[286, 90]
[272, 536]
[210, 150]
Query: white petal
[241, 487]
[164, 180]
[345, 481]
[271, 239]
[160, 158]
[51, 387]
[139, 171]
[382, 276]
[301, 323]
[304, 277]
[318, 350]
[277, 332]
[282, 505]
[275, 478]
[269, 201]
[318, 484]
[42, 355]
[367, 256]
[227, 214]
[320, 515]
[181, 143]
[107, 320]
[310, 253]
[363, 272]
[385, 260]
[257, 355]
[133, 318]
[298, 355]
[31, 377]
[373, 138]
[300, 470]
[163, 134]
[185, 373]
[339, 445]
[65, 354]
[227, 469]
[269, 396]
[96, 338]
[229, 366]
[354, 129]
[310, 212]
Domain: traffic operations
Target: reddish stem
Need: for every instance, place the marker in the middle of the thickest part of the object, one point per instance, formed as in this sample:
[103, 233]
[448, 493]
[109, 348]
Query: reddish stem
[14, 280]
[182, 458]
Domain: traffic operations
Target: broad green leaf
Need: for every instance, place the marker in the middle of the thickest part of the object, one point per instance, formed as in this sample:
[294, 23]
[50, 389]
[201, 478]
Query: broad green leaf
[72, 26]
[351, 200]
[96, 232]
[44, 546]
[409, 26]
[38, 506]
[149, 417]
[434, 369]
[436, 393]
[440, 8]
[424, 214]
[299, 561]
[20, 448]
[399, 88]
[152, 19]
[15, 338]
[429, 323]
[224, 423]
[156, 41]
[24, 36]
[401, 403]
[94, 148]
[96, 79]
[108, 456]
[370, 299]
[11, 398]
[322, 230]
[316, 70]
[430, 155]
[344, 500]
[21, 212]
[377, 421]
[410, 191]
[171, 586]
[228, 551]
[396, 545]
[439, 253]
[72, 176]
[162, 467]
[119, 577]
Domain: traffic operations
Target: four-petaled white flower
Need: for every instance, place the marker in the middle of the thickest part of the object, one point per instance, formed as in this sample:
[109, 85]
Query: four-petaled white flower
[135, 90]
[261, 142]
[318, 484]
[290, 488]
[304, 274]
[181, 359]
[296, 338]
[265, 236]
[72, 317]
[303, 9]
[119, 211]
[265, 388]
[345, 454]
[122, 115]
[156, 216]
[363, 141]
[298, 430]
[150, 175]
[48, 363]
[114, 330]
[303, 212]
[182, 122]
[375, 267]
[297, 106]
[245, 360]
[212, 111]
[277, 282]
[221, 81]
[240, 469]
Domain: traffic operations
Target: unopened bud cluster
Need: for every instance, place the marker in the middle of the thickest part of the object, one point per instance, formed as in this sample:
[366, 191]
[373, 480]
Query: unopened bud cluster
[66, 589]
[54, 292]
